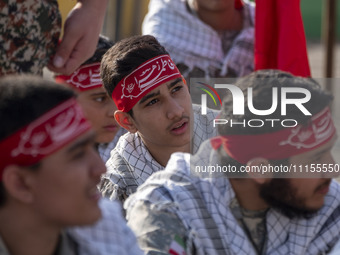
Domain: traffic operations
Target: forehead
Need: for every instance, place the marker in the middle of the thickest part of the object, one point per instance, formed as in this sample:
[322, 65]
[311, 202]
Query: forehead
[317, 152]
[94, 91]
[83, 140]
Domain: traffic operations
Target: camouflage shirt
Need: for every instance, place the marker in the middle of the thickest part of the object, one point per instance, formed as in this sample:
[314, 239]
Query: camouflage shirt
[29, 33]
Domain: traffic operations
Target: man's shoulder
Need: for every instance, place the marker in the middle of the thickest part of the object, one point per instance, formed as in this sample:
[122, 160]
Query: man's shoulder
[110, 235]
[127, 139]
[127, 144]
[176, 172]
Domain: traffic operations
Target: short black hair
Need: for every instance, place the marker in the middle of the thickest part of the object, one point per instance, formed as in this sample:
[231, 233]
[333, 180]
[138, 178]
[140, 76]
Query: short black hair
[24, 98]
[103, 45]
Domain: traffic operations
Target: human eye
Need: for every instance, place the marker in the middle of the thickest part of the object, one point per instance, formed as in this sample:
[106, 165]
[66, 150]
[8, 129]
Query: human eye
[152, 102]
[99, 99]
[78, 154]
[177, 88]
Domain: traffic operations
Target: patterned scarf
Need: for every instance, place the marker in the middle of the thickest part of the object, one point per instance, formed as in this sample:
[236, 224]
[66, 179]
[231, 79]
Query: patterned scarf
[202, 204]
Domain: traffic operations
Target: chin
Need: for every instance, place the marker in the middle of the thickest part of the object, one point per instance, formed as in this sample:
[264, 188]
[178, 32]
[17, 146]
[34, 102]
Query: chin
[92, 218]
[105, 139]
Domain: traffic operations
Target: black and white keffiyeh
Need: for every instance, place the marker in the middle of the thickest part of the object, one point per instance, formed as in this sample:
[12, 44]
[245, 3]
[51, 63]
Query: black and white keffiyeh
[195, 44]
[110, 235]
[202, 205]
[105, 149]
[131, 163]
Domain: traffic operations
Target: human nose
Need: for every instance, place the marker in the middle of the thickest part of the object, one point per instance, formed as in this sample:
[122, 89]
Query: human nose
[110, 109]
[174, 109]
[332, 168]
[97, 165]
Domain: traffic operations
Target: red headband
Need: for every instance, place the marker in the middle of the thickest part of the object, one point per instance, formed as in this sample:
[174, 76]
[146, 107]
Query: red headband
[142, 80]
[43, 136]
[85, 78]
[281, 144]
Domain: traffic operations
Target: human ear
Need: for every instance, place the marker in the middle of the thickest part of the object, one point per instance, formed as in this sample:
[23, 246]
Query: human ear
[125, 120]
[17, 184]
[257, 167]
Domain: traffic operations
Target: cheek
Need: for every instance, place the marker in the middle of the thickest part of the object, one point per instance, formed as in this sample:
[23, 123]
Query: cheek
[65, 200]
[306, 191]
[95, 115]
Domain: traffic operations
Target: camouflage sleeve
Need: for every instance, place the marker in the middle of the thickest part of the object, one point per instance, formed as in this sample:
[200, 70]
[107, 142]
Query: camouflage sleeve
[157, 231]
[29, 33]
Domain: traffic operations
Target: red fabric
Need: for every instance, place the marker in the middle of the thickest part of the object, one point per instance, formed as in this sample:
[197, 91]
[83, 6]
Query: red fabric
[145, 78]
[280, 41]
[281, 144]
[44, 136]
[84, 78]
[238, 4]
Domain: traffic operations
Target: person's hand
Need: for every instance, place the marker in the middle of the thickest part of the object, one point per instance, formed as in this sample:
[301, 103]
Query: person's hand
[81, 33]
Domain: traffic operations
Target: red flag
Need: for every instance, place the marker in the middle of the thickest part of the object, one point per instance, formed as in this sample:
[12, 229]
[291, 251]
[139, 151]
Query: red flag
[280, 41]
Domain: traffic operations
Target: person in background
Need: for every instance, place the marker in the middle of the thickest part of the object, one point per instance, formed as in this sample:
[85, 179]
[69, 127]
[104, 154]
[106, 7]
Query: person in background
[154, 105]
[97, 105]
[29, 35]
[240, 193]
[210, 39]
[49, 171]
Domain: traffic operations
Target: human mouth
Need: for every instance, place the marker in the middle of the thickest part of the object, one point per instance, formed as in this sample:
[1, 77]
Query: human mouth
[323, 188]
[94, 194]
[179, 127]
[111, 128]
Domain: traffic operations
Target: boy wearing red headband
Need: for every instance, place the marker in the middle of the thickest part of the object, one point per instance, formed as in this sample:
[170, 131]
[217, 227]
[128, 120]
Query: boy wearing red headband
[154, 105]
[206, 39]
[97, 105]
[49, 171]
[251, 190]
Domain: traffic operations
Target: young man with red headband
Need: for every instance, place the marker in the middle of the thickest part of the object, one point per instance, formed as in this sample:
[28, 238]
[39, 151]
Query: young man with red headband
[154, 105]
[255, 189]
[49, 171]
[205, 39]
[97, 105]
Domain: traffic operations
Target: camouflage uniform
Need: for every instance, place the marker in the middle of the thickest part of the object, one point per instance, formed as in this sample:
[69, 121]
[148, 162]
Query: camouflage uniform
[29, 33]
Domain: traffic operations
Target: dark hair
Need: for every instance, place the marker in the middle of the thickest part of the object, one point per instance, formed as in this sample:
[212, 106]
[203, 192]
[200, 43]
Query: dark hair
[125, 56]
[262, 83]
[24, 98]
[104, 43]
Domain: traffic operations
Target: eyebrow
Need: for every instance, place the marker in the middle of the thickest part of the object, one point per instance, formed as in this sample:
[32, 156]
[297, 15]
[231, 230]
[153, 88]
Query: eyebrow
[99, 94]
[172, 84]
[82, 142]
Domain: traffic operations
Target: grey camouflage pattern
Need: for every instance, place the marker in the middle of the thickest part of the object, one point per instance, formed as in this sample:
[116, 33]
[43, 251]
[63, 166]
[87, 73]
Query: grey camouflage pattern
[155, 228]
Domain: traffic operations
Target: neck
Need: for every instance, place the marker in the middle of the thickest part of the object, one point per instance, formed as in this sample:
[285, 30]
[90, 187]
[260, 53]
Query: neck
[20, 225]
[228, 19]
[247, 194]
[162, 154]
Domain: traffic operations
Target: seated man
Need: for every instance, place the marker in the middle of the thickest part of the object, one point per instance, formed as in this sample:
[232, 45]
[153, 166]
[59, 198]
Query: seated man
[98, 107]
[255, 188]
[205, 38]
[49, 173]
[154, 105]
